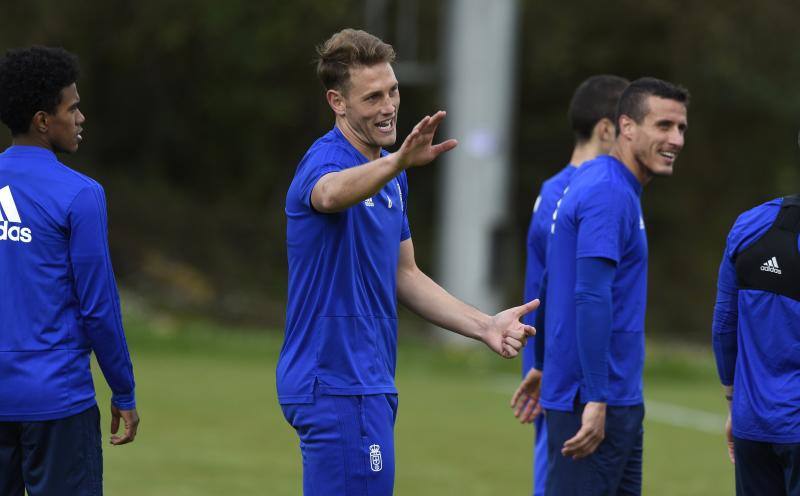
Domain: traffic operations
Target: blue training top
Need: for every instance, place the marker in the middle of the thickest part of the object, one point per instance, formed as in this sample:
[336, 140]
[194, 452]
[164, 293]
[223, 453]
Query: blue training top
[59, 300]
[538, 235]
[756, 337]
[341, 314]
[599, 216]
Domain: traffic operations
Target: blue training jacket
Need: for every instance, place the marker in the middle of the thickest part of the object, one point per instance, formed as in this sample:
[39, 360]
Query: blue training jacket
[756, 338]
[58, 297]
[536, 248]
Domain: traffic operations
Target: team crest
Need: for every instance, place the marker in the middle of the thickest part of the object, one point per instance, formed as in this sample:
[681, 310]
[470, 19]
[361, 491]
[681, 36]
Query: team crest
[375, 459]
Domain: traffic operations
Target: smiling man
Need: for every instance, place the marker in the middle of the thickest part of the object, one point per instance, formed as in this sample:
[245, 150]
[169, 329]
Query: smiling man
[350, 259]
[591, 346]
[58, 301]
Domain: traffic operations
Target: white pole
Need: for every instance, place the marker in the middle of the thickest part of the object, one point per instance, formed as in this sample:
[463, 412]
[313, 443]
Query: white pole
[479, 68]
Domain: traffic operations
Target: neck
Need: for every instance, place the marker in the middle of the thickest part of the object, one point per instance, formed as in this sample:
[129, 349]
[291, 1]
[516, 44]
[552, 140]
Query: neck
[585, 151]
[372, 152]
[626, 156]
[31, 140]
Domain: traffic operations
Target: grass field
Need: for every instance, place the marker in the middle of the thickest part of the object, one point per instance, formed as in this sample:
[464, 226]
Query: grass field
[211, 424]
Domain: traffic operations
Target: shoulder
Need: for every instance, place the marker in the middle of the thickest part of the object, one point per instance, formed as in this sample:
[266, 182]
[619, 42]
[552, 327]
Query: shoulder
[753, 221]
[593, 178]
[765, 211]
[330, 149]
[554, 185]
[67, 183]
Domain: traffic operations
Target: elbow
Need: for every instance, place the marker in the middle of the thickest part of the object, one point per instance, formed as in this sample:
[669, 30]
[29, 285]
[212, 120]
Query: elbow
[325, 202]
[591, 297]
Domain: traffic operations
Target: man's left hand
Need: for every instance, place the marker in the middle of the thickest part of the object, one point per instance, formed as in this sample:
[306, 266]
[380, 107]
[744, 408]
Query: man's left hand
[131, 420]
[591, 433]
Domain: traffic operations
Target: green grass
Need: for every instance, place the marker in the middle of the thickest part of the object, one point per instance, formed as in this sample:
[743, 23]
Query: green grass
[211, 424]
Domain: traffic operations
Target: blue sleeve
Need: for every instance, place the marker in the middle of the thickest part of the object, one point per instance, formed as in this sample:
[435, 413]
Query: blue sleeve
[538, 343]
[97, 294]
[602, 222]
[726, 317]
[314, 167]
[534, 268]
[402, 180]
[593, 312]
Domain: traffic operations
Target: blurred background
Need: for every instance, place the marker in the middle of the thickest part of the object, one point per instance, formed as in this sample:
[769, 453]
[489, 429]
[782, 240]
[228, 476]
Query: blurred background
[198, 113]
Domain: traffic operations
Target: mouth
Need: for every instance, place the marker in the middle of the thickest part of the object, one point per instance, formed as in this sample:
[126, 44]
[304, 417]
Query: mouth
[386, 126]
[669, 156]
[78, 136]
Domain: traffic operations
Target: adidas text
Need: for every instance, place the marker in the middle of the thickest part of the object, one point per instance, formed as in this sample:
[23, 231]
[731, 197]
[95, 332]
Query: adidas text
[15, 233]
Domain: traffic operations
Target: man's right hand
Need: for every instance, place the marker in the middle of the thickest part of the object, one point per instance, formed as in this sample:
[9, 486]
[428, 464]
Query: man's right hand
[525, 401]
[131, 420]
[591, 433]
[418, 148]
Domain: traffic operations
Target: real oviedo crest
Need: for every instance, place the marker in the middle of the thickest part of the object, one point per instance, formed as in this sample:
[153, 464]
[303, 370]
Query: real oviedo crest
[375, 460]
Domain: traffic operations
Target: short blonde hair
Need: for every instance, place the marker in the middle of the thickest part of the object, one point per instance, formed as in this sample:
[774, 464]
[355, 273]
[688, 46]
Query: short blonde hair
[346, 49]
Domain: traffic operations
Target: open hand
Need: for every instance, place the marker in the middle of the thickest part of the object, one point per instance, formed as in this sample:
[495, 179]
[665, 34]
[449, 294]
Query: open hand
[418, 148]
[525, 400]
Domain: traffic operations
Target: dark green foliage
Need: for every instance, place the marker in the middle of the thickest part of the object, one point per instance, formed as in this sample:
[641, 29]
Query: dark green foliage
[198, 112]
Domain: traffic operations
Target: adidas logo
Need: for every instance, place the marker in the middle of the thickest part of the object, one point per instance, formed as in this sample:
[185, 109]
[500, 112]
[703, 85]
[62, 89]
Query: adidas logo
[771, 265]
[369, 203]
[8, 216]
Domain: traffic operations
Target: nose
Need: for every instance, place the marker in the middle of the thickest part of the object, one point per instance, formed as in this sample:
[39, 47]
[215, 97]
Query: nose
[390, 104]
[676, 138]
[81, 118]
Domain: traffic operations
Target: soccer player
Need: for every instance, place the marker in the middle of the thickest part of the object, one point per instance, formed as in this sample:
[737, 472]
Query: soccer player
[351, 258]
[592, 342]
[756, 338]
[58, 298]
[591, 116]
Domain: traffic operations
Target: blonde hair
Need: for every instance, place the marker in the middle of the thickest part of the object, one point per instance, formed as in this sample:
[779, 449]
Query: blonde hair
[346, 49]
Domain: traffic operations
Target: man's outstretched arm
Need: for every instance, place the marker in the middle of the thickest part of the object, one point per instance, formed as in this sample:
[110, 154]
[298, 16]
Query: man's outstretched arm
[503, 333]
[341, 190]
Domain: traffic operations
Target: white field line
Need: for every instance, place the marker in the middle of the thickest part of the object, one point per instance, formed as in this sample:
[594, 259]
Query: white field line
[657, 411]
[681, 416]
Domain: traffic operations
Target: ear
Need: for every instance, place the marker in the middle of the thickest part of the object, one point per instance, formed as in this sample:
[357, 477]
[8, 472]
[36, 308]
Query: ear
[627, 126]
[604, 130]
[336, 101]
[39, 122]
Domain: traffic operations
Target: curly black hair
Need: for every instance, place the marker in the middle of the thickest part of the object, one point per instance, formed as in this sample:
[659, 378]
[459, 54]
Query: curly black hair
[31, 79]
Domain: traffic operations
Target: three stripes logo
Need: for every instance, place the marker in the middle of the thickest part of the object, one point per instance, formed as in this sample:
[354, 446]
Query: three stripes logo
[771, 265]
[9, 216]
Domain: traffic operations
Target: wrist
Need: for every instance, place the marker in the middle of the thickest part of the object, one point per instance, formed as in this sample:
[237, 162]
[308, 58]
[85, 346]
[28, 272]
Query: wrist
[728, 391]
[598, 405]
[395, 162]
[483, 324]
